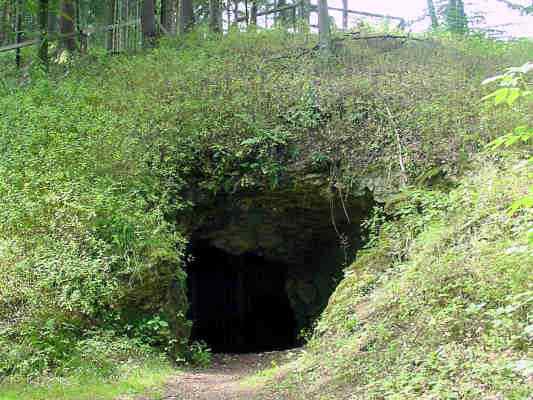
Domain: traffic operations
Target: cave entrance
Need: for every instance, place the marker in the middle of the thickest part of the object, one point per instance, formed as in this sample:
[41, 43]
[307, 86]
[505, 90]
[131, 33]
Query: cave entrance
[239, 303]
[265, 265]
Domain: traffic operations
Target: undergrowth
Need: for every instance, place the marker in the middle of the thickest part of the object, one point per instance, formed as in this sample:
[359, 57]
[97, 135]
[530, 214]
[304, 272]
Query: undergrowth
[102, 161]
[439, 306]
[128, 383]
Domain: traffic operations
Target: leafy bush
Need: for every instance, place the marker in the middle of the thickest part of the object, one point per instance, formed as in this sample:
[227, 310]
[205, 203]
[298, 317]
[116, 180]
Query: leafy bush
[198, 355]
[451, 318]
[515, 86]
[101, 353]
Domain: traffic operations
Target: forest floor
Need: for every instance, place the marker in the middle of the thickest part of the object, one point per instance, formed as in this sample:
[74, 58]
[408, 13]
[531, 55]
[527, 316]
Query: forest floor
[229, 377]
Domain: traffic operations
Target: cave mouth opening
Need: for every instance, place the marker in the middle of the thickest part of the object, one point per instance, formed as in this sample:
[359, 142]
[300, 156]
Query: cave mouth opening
[239, 303]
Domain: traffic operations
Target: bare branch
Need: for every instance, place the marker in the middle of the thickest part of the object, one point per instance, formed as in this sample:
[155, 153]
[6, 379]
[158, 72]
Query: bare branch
[519, 7]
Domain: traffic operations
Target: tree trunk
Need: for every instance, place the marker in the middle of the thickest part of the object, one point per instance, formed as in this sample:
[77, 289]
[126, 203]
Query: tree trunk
[236, 12]
[43, 33]
[168, 16]
[463, 20]
[345, 15]
[111, 32]
[214, 16]
[283, 15]
[451, 10]
[253, 13]
[324, 31]
[4, 23]
[305, 8]
[174, 17]
[18, 35]
[67, 27]
[53, 12]
[163, 14]
[186, 17]
[148, 23]
[456, 17]
[433, 14]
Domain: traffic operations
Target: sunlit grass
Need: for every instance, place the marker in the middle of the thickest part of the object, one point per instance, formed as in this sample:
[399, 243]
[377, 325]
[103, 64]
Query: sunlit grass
[439, 308]
[140, 380]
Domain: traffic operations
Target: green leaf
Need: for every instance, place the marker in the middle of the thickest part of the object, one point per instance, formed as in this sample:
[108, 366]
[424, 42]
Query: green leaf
[513, 95]
[524, 202]
[501, 95]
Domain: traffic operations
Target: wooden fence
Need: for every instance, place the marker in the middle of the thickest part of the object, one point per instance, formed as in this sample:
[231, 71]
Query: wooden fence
[119, 38]
[302, 10]
[126, 33]
[123, 33]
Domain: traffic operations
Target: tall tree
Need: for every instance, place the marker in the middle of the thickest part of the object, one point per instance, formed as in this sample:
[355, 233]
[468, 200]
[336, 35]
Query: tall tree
[283, 15]
[215, 16]
[173, 13]
[253, 12]
[19, 34]
[235, 13]
[163, 13]
[345, 15]
[5, 16]
[305, 7]
[186, 17]
[456, 19]
[53, 13]
[433, 14]
[148, 23]
[169, 15]
[67, 27]
[43, 32]
[324, 29]
[111, 22]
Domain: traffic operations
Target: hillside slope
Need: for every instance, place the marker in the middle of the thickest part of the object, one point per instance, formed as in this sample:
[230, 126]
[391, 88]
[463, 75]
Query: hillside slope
[104, 161]
[439, 307]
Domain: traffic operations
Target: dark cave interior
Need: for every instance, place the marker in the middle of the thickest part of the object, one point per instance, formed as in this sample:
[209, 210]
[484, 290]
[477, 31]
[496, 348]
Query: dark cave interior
[263, 268]
[239, 303]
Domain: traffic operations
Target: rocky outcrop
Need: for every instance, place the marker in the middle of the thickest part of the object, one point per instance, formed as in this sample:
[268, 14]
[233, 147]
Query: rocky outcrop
[309, 227]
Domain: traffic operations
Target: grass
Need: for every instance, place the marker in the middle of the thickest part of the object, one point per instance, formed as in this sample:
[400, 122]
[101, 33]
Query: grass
[139, 380]
[264, 376]
[439, 308]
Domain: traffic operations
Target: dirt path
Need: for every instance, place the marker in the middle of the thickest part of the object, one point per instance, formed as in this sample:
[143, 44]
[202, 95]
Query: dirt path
[225, 379]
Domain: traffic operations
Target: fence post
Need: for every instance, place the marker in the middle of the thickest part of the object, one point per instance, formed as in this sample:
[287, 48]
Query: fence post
[293, 17]
[18, 58]
[305, 11]
[228, 14]
[345, 15]
[43, 33]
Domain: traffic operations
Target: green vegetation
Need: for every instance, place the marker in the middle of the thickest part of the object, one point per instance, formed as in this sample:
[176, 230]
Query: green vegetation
[133, 380]
[104, 158]
[440, 305]
[515, 86]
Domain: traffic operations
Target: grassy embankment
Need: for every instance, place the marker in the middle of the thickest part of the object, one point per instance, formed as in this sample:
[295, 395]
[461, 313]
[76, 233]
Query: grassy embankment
[97, 157]
[439, 307]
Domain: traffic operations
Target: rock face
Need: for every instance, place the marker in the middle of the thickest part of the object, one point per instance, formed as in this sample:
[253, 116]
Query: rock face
[309, 228]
